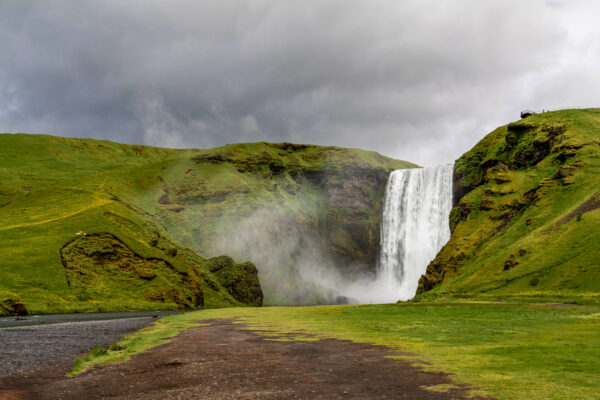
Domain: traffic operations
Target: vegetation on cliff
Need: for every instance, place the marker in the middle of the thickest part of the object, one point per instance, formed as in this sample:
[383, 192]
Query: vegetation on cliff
[240, 280]
[89, 225]
[526, 219]
[294, 210]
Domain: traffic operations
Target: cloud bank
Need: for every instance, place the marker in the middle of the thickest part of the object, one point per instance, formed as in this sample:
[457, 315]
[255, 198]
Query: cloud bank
[415, 80]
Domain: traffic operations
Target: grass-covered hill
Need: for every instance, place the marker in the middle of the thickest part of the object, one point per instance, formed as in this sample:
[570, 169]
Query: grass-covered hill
[88, 225]
[526, 221]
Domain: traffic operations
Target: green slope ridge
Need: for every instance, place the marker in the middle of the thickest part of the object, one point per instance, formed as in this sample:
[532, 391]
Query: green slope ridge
[89, 225]
[526, 222]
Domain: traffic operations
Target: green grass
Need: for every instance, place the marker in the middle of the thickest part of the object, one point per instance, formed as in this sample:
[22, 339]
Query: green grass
[177, 206]
[552, 247]
[509, 351]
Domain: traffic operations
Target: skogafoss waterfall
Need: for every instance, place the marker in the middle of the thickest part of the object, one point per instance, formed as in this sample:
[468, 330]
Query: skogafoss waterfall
[414, 227]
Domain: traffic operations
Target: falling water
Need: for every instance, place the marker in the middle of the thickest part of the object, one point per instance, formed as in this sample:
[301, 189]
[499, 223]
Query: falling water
[414, 228]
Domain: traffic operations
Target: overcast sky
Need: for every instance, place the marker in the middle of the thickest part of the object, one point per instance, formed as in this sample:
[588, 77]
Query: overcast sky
[416, 80]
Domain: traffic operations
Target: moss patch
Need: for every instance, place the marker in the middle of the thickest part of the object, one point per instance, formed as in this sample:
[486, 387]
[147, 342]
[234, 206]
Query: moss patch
[95, 261]
[240, 280]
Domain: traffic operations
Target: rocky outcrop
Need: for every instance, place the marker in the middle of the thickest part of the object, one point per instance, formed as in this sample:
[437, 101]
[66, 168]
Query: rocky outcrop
[240, 280]
[13, 307]
[353, 214]
[93, 260]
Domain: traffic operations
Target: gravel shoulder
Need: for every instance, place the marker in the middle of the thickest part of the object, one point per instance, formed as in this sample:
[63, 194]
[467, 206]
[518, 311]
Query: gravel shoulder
[225, 361]
[55, 346]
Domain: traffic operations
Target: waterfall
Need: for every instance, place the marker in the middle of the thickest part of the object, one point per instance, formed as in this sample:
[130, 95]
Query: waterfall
[414, 227]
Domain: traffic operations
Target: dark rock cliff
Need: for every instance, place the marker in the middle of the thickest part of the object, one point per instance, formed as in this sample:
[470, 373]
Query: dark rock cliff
[295, 211]
[353, 207]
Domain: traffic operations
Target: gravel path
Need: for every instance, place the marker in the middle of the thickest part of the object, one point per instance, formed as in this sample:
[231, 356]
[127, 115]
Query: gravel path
[223, 361]
[37, 347]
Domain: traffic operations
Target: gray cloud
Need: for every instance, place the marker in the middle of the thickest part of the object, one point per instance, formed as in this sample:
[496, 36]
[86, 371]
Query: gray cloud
[416, 80]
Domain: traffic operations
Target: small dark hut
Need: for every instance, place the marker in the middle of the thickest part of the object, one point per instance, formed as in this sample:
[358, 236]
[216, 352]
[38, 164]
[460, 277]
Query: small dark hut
[526, 113]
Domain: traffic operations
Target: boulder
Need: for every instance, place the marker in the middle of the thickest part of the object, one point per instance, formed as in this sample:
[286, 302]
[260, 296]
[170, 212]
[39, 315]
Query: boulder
[13, 307]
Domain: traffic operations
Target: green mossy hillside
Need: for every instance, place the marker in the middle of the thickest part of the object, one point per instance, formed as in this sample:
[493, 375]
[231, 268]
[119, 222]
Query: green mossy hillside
[89, 225]
[526, 218]
[94, 262]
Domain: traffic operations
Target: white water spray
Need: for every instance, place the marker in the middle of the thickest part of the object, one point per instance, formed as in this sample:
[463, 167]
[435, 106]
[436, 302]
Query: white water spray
[414, 228]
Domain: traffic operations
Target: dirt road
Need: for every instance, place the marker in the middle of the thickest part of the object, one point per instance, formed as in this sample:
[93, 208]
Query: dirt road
[223, 361]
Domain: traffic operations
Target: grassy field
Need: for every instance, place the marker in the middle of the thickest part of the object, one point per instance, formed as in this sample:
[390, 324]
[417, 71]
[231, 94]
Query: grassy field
[509, 351]
[526, 226]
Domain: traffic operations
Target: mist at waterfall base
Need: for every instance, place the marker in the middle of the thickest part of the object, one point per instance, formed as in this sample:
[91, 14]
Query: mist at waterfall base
[414, 228]
[295, 269]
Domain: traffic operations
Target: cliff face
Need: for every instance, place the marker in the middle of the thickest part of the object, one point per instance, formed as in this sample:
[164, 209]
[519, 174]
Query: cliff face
[305, 215]
[525, 217]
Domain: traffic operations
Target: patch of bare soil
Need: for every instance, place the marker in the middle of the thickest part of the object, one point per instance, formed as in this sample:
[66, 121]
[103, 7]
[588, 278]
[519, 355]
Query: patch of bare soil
[591, 204]
[224, 361]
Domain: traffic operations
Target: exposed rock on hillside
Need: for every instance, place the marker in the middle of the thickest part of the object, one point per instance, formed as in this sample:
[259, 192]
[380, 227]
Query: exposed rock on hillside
[94, 261]
[13, 307]
[288, 208]
[241, 280]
